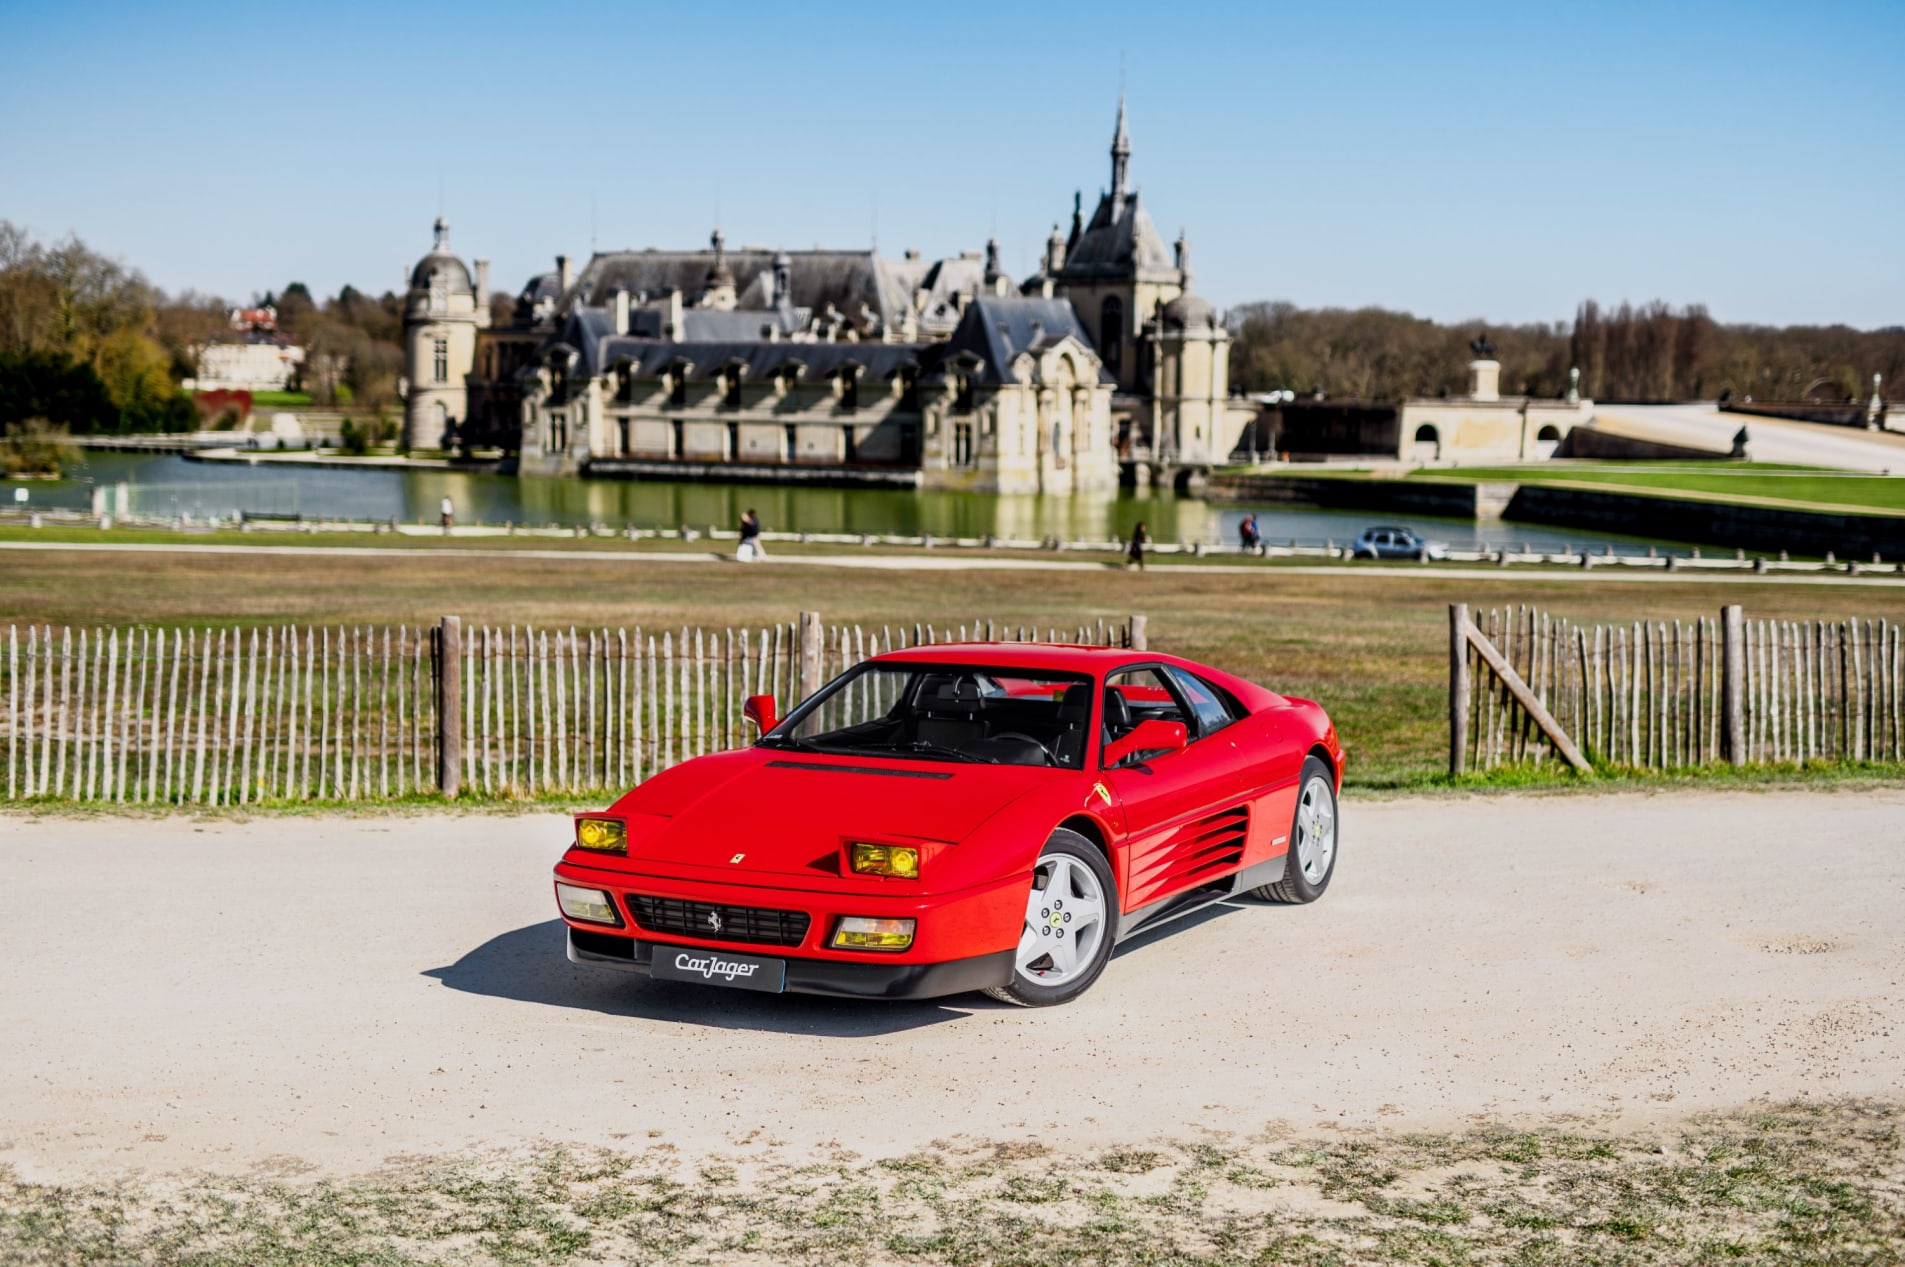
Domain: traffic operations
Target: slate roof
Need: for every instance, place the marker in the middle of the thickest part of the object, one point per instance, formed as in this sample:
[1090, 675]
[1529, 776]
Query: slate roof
[442, 270]
[590, 334]
[845, 280]
[1118, 242]
[650, 357]
[997, 329]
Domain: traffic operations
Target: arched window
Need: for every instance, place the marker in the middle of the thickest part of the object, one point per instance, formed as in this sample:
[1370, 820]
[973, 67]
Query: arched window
[1549, 433]
[1111, 333]
[1425, 434]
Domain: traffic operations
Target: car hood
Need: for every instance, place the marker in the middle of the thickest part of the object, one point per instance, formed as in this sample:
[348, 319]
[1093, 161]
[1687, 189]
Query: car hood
[786, 813]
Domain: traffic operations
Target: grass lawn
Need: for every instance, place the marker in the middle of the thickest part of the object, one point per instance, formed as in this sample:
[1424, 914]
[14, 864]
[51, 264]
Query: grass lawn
[1373, 650]
[281, 400]
[1746, 481]
[1792, 1185]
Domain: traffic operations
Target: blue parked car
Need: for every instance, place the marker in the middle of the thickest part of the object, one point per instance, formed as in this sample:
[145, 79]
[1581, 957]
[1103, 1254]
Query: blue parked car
[1396, 543]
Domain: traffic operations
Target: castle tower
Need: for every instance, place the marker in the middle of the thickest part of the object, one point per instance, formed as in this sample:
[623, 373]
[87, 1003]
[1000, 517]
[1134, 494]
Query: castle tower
[442, 313]
[1192, 423]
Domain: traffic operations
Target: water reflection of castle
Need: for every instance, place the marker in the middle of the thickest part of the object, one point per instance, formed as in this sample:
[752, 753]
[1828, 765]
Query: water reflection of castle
[840, 366]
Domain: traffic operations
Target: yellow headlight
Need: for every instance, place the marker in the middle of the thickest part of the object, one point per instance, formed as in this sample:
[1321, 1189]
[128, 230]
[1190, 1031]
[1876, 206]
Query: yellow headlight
[859, 933]
[894, 860]
[601, 835]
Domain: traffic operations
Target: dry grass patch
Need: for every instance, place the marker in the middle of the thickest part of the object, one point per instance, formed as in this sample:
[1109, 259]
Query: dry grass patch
[1819, 1185]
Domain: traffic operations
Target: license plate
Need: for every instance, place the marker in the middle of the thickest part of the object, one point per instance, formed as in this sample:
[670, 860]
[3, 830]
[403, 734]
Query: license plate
[718, 967]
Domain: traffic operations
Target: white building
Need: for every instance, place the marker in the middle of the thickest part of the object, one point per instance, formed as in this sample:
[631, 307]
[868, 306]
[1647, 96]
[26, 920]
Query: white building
[261, 366]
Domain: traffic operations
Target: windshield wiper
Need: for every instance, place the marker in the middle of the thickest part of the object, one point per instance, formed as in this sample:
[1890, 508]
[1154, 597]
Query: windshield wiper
[954, 753]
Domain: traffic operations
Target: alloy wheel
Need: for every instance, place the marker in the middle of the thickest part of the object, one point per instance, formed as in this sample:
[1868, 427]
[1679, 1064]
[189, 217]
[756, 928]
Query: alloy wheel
[1315, 830]
[1064, 922]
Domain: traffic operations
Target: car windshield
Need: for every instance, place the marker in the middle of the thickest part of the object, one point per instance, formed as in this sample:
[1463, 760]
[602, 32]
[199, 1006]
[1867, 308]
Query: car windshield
[945, 712]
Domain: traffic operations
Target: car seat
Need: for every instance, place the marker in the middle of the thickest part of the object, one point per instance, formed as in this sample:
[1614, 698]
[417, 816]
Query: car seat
[1074, 714]
[949, 714]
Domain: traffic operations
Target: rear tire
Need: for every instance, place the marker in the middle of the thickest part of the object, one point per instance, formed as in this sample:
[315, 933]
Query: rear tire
[1071, 920]
[1311, 861]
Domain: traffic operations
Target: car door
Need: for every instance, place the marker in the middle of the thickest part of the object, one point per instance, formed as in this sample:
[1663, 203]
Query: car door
[1183, 814]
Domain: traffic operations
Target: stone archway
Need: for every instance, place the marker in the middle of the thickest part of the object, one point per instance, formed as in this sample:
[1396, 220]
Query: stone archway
[1428, 443]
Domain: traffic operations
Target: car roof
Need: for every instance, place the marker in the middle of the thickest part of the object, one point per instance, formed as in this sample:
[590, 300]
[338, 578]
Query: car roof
[1059, 656]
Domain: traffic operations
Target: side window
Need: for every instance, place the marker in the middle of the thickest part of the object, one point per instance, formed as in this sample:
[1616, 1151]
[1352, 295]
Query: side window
[1212, 707]
[1137, 695]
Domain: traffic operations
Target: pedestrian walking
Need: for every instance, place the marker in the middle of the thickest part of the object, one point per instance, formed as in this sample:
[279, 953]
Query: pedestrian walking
[448, 511]
[1247, 533]
[1134, 556]
[751, 549]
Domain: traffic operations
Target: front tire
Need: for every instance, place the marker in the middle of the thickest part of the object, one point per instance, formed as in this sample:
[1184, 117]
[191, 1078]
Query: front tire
[1071, 919]
[1312, 858]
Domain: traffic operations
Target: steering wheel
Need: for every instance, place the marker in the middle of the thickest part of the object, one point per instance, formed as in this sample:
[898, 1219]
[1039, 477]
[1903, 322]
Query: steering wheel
[1013, 734]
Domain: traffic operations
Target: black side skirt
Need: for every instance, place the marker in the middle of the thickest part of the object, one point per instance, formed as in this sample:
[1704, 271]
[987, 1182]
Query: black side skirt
[1178, 905]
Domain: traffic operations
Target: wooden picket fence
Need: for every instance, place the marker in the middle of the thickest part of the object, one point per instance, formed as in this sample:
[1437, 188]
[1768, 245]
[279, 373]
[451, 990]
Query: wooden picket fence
[1526, 686]
[238, 716]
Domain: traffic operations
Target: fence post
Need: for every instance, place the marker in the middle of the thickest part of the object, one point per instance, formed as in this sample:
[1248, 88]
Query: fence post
[449, 668]
[811, 639]
[1733, 682]
[1138, 634]
[1458, 689]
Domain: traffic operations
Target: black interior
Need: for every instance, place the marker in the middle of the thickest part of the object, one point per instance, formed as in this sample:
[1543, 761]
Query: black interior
[965, 714]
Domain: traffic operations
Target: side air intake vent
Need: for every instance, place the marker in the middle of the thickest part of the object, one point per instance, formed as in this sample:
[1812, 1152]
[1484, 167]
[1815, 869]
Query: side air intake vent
[1196, 852]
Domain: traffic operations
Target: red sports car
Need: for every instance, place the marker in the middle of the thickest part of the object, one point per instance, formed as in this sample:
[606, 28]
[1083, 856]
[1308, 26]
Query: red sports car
[983, 816]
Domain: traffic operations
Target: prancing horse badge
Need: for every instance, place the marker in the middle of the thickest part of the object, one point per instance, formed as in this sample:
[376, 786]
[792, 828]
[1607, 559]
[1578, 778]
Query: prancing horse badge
[736, 858]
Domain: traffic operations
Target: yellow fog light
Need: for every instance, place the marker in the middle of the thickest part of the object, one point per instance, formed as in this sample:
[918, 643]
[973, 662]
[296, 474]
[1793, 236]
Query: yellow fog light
[589, 905]
[601, 835]
[894, 860]
[859, 933]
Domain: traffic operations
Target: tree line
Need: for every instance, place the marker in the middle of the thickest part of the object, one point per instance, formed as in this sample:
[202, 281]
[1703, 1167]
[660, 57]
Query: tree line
[1651, 352]
[87, 344]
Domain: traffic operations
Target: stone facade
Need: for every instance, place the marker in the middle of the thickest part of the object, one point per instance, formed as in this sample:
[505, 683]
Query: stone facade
[443, 311]
[1485, 426]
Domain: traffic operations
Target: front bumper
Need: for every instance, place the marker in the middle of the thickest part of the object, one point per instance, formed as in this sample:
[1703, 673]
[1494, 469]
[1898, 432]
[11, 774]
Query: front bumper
[965, 940]
[838, 977]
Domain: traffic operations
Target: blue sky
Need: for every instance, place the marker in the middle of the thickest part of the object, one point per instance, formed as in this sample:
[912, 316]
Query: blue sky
[1497, 161]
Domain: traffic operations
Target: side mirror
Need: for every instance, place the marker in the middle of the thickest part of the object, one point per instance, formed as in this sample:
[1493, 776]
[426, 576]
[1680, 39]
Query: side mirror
[1161, 737]
[759, 709]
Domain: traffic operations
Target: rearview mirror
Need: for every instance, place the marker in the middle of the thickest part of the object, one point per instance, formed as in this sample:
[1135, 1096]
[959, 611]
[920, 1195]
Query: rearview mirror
[759, 709]
[1160, 737]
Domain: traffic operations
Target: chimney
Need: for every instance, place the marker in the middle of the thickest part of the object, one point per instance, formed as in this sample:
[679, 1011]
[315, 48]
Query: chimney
[621, 311]
[565, 275]
[671, 329]
[482, 285]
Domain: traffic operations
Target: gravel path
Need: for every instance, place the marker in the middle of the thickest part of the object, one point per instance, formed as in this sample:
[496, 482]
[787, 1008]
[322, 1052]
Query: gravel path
[333, 992]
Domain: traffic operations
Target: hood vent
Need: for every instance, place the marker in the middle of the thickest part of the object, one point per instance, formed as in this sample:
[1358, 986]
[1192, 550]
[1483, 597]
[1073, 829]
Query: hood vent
[859, 769]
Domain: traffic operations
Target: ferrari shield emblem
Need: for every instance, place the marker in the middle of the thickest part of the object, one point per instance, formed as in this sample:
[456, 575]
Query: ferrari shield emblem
[736, 858]
[1099, 789]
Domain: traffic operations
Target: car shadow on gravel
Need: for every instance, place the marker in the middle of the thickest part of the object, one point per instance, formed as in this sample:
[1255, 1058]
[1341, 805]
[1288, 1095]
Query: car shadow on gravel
[530, 965]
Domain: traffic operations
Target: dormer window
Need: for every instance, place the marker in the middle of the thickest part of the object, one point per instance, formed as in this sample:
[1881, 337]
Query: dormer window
[965, 390]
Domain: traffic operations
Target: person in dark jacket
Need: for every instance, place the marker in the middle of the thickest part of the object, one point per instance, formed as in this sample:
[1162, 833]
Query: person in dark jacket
[1134, 556]
[750, 550]
[1247, 533]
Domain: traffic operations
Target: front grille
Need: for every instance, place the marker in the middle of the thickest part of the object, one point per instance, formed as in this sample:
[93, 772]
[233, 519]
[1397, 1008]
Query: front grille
[738, 923]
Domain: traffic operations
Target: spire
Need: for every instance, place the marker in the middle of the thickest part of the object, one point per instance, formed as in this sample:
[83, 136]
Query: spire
[1120, 160]
[1078, 218]
[1183, 251]
[717, 289]
[442, 229]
